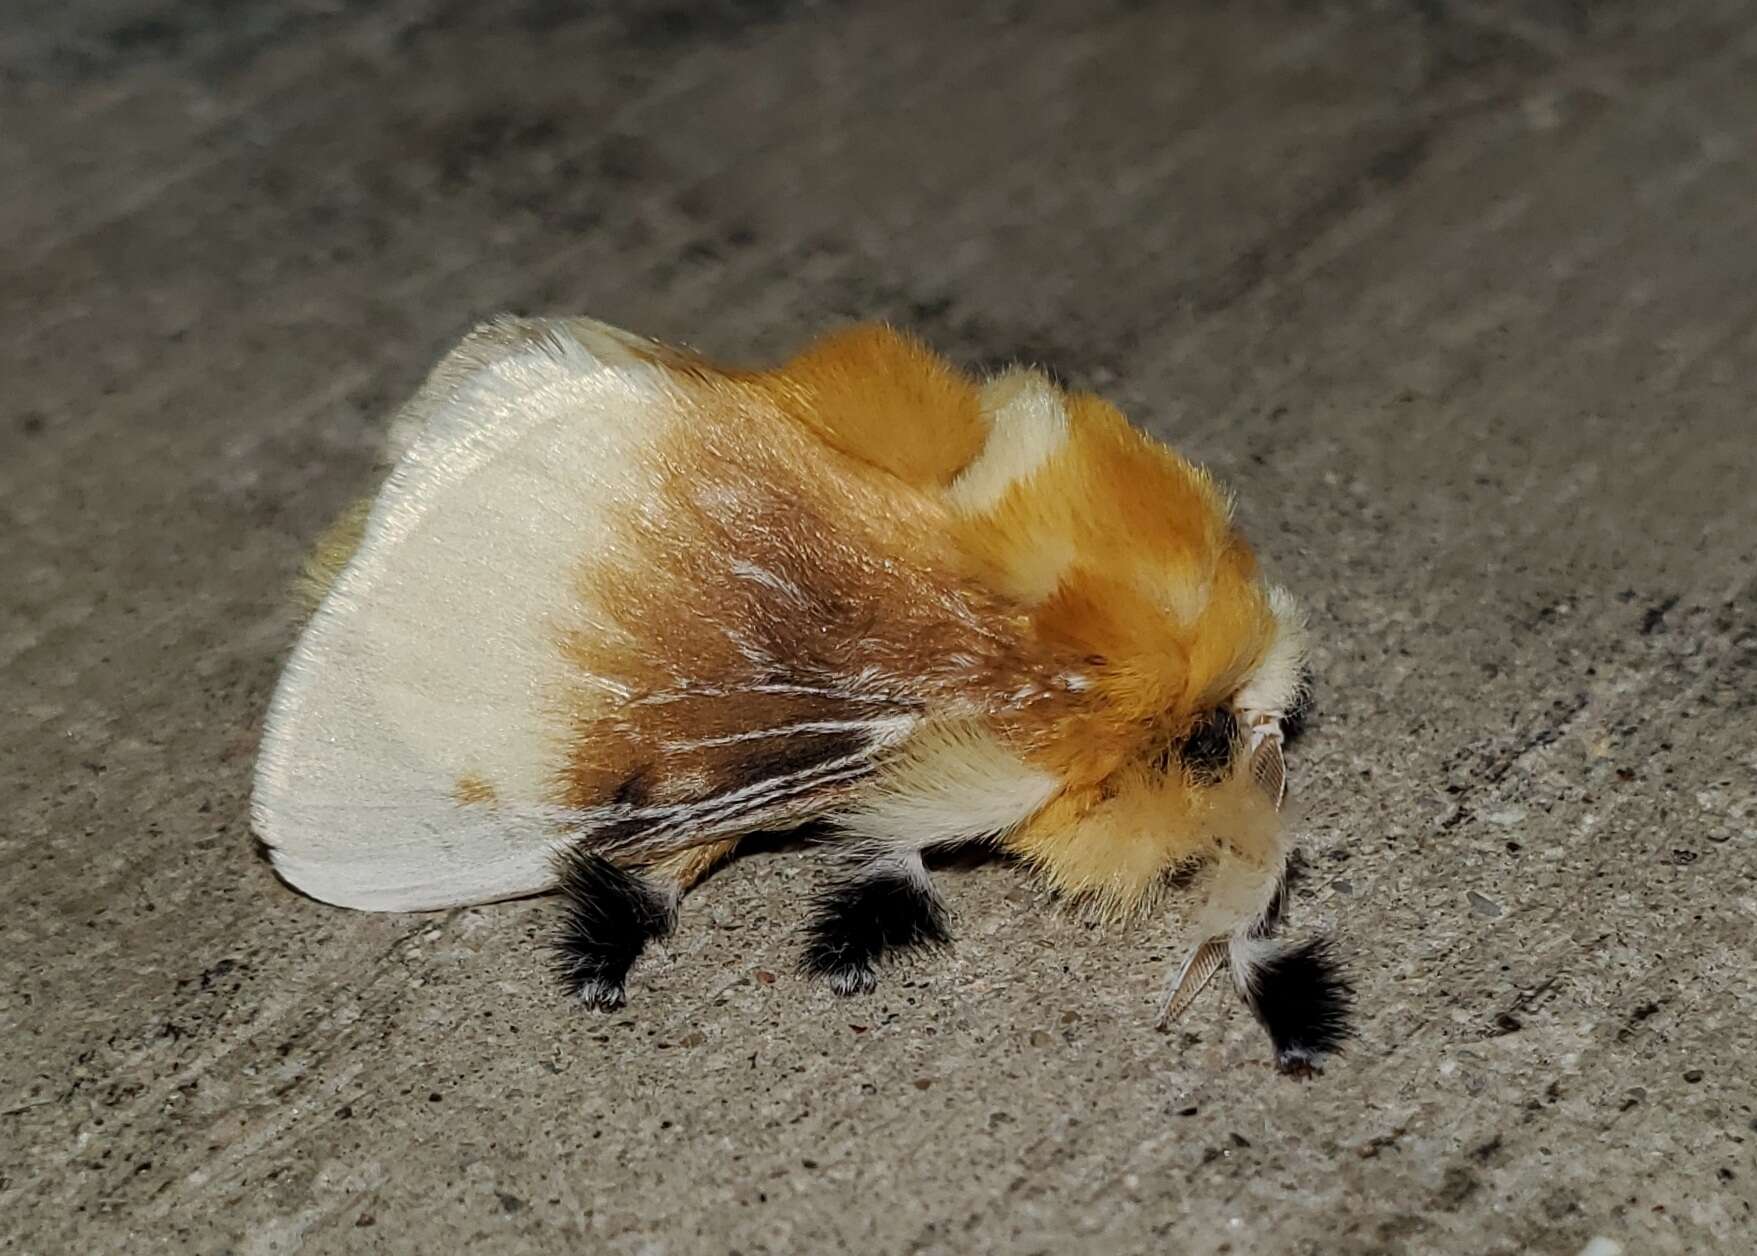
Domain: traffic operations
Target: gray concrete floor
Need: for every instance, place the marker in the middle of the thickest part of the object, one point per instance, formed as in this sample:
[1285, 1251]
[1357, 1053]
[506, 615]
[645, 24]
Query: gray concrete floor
[1461, 298]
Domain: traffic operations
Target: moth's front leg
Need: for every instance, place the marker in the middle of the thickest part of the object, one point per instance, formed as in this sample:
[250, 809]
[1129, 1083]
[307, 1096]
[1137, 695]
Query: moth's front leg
[883, 906]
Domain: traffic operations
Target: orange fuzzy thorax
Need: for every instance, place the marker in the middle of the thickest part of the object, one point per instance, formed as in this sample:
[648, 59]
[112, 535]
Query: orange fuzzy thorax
[1161, 600]
[1122, 559]
[1138, 574]
[1095, 607]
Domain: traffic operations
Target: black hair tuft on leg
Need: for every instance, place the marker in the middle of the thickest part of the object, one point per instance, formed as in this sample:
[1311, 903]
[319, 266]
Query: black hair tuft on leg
[858, 922]
[610, 917]
[1299, 994]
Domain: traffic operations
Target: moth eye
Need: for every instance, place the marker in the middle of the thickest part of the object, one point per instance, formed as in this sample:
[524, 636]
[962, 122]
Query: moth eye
[1207, 752]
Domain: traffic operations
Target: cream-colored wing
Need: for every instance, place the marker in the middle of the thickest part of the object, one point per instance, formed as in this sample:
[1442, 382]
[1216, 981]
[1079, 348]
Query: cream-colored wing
[507, 337]
[414, 736]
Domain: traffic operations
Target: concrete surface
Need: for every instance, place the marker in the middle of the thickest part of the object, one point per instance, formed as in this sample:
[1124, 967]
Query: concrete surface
[1462, 300]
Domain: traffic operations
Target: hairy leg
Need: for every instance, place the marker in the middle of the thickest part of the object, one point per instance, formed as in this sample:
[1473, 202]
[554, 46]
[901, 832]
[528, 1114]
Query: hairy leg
[1298, 993]
[883, 906]
[611, 914]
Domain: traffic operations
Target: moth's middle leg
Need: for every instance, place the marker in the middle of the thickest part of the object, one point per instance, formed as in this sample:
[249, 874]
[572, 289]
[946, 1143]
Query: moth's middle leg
[613, 912]
[884, 906]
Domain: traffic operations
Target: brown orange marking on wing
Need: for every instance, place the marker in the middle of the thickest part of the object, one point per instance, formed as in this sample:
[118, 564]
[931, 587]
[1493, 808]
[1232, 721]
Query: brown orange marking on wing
[772, 580]
[470, 789]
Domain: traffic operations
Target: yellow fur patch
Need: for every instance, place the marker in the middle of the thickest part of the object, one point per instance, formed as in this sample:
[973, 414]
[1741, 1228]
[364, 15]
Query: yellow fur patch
[1119, 849]
[1091, 609]
[849, 550]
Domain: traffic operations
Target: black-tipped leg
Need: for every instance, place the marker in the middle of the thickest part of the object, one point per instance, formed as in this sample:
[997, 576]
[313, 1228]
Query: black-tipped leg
[884, 907]
[1299, 994]
[611, 914]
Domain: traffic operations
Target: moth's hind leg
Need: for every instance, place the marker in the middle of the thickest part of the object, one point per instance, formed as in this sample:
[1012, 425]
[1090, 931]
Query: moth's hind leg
[612, 913]
[884, 906]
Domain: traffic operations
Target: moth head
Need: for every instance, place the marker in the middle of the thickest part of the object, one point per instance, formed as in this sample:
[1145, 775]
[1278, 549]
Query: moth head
[1197, 802]
[1246, 731]
[1127, 561]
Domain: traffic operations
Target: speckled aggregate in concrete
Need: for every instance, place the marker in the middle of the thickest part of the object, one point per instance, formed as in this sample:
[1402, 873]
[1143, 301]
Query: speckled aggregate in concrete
[1460, 298]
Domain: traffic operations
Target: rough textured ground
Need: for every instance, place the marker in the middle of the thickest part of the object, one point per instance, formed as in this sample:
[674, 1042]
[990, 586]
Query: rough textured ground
[1462, 300]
